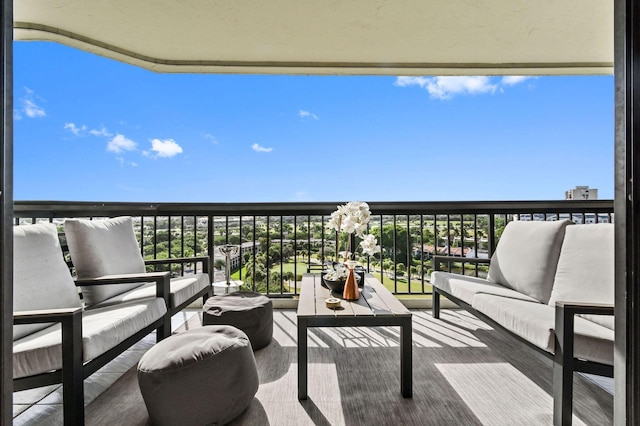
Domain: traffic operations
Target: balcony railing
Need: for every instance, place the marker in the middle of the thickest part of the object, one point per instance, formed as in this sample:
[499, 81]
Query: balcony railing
[279, 240]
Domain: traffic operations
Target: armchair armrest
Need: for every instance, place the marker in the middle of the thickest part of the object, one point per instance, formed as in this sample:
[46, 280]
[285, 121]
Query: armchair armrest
[437, 259]
[174, 260]
[573, 308]
[44, 315]
[565, 321]
[162, 280]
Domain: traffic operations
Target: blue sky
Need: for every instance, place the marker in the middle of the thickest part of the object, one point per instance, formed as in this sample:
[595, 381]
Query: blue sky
[89, 128]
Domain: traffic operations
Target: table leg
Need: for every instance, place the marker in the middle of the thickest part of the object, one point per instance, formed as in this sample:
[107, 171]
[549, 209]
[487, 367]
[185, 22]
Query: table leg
[406, 358]
[302, 358]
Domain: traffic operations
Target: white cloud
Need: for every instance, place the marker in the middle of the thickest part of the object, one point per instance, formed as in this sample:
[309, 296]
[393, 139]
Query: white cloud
[100, 132]
[164, 148]
[411, 81]
[119, 144]
[211, 138]
[511, 80]
[449, 86]
[75, 129]
[28, 105]
[32, 109]
[258, 148]
[307, 114]
[83, 130]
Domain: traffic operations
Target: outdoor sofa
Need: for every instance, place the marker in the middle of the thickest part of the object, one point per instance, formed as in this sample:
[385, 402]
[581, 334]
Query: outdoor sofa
[551, 285]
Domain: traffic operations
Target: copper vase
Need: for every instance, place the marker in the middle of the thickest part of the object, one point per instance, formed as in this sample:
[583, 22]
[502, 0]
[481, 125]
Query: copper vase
[351, 291]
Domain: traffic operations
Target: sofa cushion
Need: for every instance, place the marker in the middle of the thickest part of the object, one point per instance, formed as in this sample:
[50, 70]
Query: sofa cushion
[526, 257]
[102, 329]
[103, 247]
[535, 323]
[585, 271]
[182, 288]
[41, 277]
[465, 287]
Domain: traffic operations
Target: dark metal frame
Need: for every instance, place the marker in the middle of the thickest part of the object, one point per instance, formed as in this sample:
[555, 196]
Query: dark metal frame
[406, 342]
[6, 211]
[627, 210]
[564, 363]
[74, 370]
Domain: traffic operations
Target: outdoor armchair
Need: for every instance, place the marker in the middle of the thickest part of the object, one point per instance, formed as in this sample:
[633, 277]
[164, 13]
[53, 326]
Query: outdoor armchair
[108, 250]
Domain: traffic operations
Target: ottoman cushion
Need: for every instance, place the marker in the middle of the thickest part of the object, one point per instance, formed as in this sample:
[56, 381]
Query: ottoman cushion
[202, 376]
[249, 311]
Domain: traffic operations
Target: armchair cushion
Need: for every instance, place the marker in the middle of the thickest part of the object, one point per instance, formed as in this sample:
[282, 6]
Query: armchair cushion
[527, 256]
[182, 289]
[103, 247]
[37, 254]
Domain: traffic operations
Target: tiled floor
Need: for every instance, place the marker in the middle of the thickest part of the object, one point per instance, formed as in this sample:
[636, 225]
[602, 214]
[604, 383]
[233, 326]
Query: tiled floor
[43, 406]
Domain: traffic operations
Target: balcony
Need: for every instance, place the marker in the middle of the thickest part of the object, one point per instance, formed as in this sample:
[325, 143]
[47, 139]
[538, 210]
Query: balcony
[465, 372]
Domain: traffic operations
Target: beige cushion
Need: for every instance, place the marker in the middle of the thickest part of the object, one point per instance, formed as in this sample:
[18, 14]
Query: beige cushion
[535, 323]
[103, 247]
[182, 288]
[527, 255]
[465, 287]
[585, 270]
[41, 277]
[102, 329]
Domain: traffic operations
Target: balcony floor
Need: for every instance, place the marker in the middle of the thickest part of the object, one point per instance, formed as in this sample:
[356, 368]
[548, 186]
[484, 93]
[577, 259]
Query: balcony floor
[464, 373]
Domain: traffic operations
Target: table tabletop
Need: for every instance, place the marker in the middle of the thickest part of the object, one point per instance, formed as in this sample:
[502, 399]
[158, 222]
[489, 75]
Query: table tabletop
[375, 300]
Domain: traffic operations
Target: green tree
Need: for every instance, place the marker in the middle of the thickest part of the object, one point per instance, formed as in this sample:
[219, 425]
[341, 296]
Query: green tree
[400, 269]
[400, 253]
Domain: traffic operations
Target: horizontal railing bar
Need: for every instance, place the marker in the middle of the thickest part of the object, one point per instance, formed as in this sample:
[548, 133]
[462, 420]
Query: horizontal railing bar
[82, 208]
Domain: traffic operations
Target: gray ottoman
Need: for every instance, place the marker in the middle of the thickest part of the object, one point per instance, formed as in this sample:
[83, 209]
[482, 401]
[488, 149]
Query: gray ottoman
[249, 311]
[202, 376]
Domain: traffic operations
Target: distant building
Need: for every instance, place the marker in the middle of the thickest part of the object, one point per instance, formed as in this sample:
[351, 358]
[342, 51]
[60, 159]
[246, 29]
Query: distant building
[581, 193]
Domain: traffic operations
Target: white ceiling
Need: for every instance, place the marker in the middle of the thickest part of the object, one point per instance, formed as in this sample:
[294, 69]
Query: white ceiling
[396, 37]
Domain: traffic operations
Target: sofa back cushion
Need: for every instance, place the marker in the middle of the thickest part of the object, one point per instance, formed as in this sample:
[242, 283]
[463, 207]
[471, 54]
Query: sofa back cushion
[41, 277]
[103, 247]
[586, 269]
[527, 255]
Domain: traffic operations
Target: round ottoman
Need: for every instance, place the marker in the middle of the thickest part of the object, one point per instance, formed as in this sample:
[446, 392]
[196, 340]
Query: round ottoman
[249, 311]
[202, 376]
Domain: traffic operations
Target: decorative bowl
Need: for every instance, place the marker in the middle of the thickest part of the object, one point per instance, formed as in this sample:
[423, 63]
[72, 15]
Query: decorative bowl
[334, 286]
[338, 286]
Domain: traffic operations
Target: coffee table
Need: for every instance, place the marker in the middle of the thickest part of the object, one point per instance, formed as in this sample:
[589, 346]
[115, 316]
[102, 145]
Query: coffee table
[376, 307]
